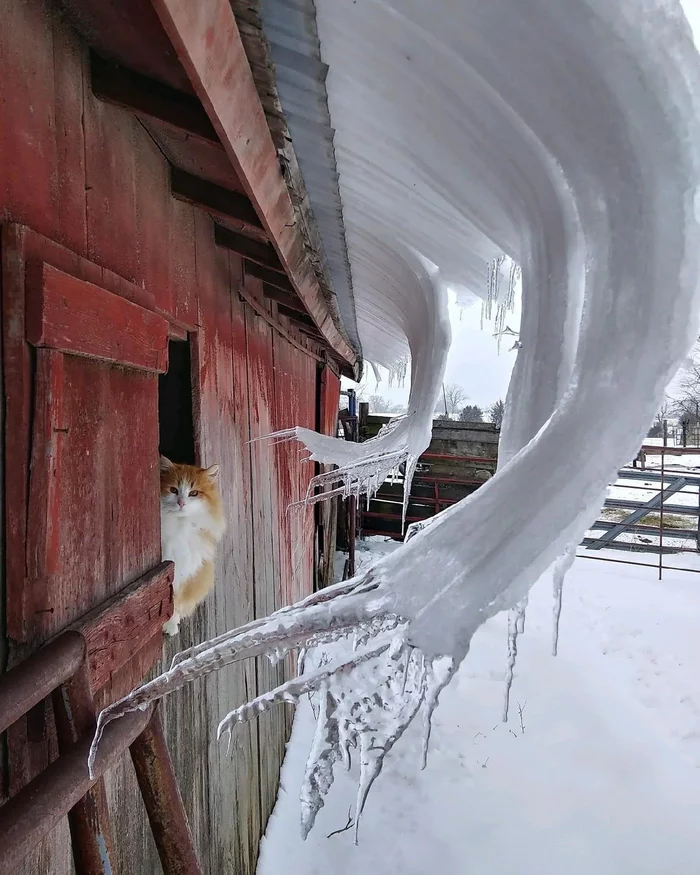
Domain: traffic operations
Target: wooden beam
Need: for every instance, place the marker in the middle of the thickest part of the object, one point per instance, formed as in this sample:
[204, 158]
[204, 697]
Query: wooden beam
[261, 253]
[289, 301]
[300, 319]
[271, 277]
[122, 87]
[74, 316]
[208, 43]
[219, 201]
[116, 630]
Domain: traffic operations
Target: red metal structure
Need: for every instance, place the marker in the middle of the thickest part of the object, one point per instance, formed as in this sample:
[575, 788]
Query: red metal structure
[142, 208]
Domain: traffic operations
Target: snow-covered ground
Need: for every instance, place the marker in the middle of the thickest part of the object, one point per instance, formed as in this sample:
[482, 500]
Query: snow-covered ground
[602, 777]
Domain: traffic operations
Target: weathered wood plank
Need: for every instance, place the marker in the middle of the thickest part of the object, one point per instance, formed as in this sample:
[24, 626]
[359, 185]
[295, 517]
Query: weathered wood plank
[74, 316]
[27, 117]
[208, 43]
[17, 380]
[260, 253]
[268, 582]
[305, 323]
[270, 277]
[43, 535]
[123, 87]
[118, 628]
[221, 202]
[111, 159]
[68, 61]
[329, 391]
[280, 297]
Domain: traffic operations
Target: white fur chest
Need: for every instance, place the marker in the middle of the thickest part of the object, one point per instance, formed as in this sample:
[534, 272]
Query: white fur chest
[186, 544]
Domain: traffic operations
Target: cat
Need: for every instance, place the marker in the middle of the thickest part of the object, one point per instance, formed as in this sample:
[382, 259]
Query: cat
[191, 525]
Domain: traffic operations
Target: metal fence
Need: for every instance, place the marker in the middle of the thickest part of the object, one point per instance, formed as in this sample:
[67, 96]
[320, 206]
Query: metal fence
[653, 509]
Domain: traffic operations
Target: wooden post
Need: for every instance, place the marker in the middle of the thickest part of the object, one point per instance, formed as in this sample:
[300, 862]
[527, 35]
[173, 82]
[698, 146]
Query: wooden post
[161, 796]
[88, 820]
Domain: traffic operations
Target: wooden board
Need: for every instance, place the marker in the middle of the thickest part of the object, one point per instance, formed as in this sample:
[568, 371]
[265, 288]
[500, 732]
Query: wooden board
[210, 49]
[329, 399]
[115, 631]
[268, 583]
[70, 315]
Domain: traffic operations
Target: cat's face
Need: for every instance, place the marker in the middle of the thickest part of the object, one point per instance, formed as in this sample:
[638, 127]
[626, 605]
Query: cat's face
[186, 490]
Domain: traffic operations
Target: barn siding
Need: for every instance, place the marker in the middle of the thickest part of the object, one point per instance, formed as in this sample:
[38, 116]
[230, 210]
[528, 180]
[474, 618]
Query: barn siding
[88, 176]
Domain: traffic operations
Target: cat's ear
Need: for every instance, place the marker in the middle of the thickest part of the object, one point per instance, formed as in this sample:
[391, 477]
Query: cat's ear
[212, 472]
[165, 464]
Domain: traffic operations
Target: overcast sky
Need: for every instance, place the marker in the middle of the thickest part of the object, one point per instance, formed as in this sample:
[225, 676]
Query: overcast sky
[474, 361]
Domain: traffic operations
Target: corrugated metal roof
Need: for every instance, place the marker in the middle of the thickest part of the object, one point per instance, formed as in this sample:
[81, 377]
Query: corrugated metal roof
[290, 30]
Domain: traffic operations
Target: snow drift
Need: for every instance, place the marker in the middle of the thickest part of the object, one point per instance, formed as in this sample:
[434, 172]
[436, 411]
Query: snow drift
[566, 137]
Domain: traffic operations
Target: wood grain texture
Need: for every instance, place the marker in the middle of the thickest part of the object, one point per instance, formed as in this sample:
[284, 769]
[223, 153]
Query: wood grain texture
[329, 398]
[148, 97]
[73, 316]
[89, 179]
[43, 535]
[117, 629]
[209, 46]
[266, 535]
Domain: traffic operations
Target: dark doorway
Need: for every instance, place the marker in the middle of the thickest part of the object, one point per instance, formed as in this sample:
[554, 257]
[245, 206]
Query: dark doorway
[175, 405]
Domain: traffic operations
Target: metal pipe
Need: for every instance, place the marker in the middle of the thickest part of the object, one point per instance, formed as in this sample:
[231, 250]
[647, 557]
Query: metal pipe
[37, 677]
[31, 815]
[88, 820]
[640, 564]
[161, 795]
[451, 457]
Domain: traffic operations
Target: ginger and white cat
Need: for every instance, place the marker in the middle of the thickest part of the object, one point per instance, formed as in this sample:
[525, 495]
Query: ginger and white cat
[191, 525]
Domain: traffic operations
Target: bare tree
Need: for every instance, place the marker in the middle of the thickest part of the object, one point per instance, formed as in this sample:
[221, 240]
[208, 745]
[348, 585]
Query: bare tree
[378, 404]
[687, 405]
[496, 412]
[657, 428]
[471, 413]
[452, 398]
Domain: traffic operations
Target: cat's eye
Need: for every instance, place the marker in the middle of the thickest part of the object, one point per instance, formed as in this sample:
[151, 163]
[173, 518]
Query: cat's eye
[194, 493]
[173, 489]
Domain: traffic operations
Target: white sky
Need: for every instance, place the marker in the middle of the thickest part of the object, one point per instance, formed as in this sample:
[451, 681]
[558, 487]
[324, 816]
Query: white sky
[474, 361]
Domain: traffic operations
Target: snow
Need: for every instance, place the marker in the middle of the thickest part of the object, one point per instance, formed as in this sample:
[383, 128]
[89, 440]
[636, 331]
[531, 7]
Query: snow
[605, 777]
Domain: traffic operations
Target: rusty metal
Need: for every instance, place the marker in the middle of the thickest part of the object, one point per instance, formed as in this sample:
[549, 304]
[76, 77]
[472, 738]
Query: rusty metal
[654, 567]
[31, 815]
[455, 458]
[161, 796]
[90, 828]
[27, 684]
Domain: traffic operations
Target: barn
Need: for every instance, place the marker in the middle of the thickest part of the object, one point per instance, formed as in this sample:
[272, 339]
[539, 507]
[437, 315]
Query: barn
[166, 285]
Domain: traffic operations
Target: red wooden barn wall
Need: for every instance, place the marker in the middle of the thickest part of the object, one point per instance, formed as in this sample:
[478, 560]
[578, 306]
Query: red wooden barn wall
[92, 186]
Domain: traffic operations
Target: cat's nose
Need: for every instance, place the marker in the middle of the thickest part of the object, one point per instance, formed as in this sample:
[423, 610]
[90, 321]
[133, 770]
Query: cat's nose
[181, 502]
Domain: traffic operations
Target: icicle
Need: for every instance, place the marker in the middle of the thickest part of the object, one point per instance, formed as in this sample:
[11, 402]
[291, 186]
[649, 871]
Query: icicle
[561, 566]
[324, 754]
[516, 623]
[398, 371]
[438, 674]
[291, 691]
